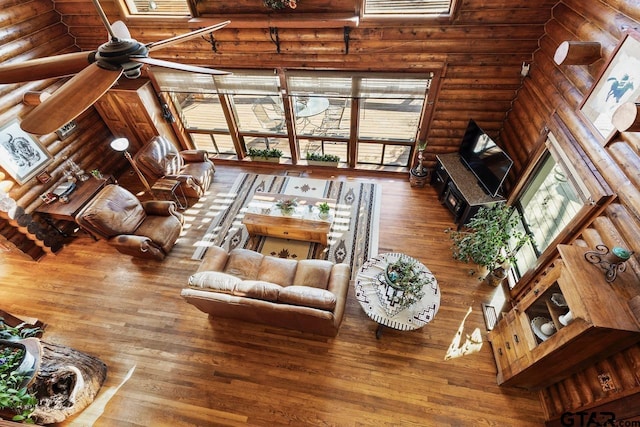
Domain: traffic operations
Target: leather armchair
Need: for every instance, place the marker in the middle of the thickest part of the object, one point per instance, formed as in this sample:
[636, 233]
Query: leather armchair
[159, 158]
[141, 229]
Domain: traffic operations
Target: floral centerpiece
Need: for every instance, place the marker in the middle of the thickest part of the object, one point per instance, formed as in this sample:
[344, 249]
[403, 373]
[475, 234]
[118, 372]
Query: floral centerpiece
[407, 279]
[287, 206]
[280, 4]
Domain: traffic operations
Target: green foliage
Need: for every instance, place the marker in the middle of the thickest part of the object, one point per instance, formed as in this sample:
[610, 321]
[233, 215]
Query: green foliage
[324, 207]
[404, 275]
[487, 242]
[318, 157]
[12, 396]
[287, 205]
[264, 153]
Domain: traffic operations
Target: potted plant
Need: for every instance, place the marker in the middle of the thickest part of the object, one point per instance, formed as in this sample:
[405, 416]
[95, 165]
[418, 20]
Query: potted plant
[265, 155]
[324, 209]
[19, 361]
[287, 206]
[407, 280]
[317, 159]
[491, 241]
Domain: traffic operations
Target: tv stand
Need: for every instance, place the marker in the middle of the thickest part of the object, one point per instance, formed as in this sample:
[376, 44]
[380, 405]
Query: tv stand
[458, 188]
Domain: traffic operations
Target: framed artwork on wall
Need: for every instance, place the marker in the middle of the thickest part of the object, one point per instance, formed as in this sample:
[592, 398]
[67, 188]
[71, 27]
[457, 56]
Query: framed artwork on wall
[21, 154]
[618, 83]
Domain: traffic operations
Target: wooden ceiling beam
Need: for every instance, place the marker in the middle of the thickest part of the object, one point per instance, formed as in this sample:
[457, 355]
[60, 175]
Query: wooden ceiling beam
[328, 20]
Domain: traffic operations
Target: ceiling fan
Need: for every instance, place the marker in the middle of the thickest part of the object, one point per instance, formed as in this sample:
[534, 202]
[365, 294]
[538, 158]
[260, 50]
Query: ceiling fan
[95, 73]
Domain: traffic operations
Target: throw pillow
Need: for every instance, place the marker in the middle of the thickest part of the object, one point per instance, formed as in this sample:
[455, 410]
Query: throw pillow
[258, 290]
[214, 281]
[308, 297]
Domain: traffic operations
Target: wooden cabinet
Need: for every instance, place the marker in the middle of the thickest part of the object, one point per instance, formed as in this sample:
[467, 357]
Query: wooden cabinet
[458, 188]
[585, 320]
[131, 109]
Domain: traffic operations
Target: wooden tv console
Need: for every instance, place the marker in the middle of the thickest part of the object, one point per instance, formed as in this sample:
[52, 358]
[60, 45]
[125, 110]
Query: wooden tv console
[458, 188]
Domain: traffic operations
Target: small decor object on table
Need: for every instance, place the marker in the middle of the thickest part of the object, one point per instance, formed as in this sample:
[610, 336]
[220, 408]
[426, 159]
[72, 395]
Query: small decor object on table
[324, 210]
[287, 206]
[407, 280]
[280, 4]
[397, 291]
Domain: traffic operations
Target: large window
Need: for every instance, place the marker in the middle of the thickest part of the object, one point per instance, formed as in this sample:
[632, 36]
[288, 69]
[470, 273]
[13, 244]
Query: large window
[317, 110]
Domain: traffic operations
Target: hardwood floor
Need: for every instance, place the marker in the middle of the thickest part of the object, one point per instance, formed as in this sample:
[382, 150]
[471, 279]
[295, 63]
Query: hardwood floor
[188, 370]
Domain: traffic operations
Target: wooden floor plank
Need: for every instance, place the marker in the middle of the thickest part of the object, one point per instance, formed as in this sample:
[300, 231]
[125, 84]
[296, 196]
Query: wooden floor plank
[193, 371]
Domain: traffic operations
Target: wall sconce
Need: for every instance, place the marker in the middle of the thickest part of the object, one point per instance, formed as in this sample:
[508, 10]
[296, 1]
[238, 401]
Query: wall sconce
[577, 53]
[611, 262]
[121, 144]
[626, 118]
[524, 71]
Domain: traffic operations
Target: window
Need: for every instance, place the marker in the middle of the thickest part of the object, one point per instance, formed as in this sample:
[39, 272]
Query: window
[227, 114]
[157, 7]
[407, 7]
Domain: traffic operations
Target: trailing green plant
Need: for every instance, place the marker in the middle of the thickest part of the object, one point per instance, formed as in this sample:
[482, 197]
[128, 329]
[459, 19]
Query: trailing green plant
[14, 333]
[12, 396]
[318, 157]
[264, 153]
[492, 237]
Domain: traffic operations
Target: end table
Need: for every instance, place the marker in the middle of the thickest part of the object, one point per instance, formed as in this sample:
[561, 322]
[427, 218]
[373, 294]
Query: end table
[170, 189]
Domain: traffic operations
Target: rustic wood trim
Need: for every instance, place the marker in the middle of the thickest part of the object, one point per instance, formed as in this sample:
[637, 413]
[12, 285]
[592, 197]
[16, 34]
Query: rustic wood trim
[315, 20]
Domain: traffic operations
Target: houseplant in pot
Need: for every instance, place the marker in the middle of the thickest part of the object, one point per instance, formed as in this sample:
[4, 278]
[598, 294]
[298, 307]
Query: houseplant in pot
[20, 354]
[265, 155]
[491, 240]
[317, 159]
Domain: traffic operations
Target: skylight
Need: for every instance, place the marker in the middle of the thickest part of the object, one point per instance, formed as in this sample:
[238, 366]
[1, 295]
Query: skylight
[407, 7]
[158, 7]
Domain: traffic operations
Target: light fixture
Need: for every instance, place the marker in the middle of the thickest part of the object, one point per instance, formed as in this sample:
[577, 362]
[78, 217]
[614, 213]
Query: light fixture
[524, 71]
[121, 144]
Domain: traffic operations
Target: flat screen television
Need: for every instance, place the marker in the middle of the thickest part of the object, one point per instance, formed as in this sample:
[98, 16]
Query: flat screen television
[480, 154]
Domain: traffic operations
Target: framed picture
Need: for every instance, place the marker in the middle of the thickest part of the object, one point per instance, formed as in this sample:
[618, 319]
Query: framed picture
[618, 83]
[21, 155]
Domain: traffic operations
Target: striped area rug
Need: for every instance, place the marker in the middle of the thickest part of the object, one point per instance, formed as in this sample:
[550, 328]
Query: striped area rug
[353, 237]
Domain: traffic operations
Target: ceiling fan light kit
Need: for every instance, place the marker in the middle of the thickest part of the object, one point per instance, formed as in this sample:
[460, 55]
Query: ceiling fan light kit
[93, 73]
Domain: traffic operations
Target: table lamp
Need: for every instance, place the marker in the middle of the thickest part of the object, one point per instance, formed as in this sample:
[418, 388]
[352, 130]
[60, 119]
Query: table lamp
[121, 144]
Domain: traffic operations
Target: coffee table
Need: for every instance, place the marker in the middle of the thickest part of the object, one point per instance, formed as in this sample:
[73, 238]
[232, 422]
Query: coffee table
[263, 218]
[376, 296]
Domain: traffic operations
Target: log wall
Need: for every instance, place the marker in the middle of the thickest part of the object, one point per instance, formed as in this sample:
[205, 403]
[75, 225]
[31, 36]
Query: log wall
[560, 89]
[30, 29]
[479, 54]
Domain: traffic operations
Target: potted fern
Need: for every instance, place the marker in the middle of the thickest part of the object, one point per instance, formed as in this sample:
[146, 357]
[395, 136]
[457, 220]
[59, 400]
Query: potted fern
[491, 241]
[265, 155]
[317, 159]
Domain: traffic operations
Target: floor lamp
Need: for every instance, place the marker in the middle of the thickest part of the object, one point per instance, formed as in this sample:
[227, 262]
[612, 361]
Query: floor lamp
[121, 144]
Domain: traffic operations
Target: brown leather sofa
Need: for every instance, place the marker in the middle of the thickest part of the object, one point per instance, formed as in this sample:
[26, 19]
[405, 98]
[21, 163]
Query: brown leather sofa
[159, 158]
[142, 229]
[306, 295]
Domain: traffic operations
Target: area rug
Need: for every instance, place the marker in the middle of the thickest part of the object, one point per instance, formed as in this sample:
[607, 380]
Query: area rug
[353, 237]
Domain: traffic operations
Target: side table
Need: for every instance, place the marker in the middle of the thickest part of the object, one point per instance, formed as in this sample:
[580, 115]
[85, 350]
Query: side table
[373, 294]
[84, 192]
[170, 189]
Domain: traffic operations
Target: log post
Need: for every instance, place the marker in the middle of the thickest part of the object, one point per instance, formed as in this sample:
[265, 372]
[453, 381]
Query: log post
[577, 53]
[627, 117]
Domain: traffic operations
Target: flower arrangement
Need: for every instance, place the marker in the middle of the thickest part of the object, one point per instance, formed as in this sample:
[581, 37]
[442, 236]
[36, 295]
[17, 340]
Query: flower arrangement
[287, 206]
[403, 275]
[280, 4]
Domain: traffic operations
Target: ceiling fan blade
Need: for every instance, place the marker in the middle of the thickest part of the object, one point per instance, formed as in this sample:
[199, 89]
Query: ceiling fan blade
[177, 66]
[70, 100]
[179, 39]
[120, 30]
[45, 68]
